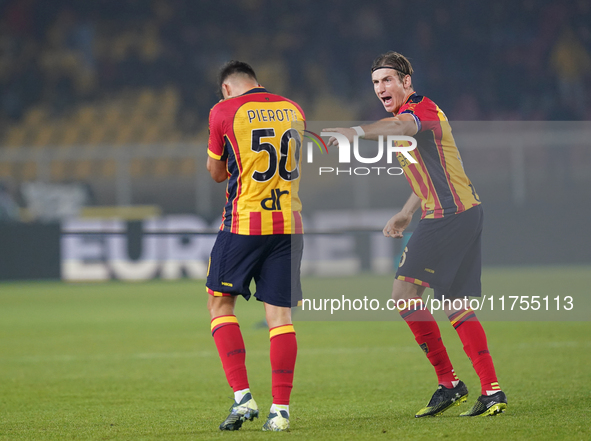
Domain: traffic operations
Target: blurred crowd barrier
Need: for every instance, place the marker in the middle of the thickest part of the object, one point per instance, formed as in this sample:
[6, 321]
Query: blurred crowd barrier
[519, 163]
[533, 179]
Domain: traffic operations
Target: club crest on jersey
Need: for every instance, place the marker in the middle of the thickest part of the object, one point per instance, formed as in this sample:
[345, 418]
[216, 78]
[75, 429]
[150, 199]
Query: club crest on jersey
[274, 202]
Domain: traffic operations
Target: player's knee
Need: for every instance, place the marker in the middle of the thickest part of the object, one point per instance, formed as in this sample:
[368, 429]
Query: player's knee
[397, 295]
[212, 307]
[404, 290]
[398, 291]
[218, 306]
[277, 316]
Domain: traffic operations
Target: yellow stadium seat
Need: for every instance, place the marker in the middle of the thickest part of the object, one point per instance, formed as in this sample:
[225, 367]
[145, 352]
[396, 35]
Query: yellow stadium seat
[15, 137]
[58, 170]
[70, 135]
[113, 115]
[187, 167]
[125, 134]
[329, 108]
[97, 134]
[35, 116]
[44, 135]
[109, 168]
[137, 168]
[146, 99]
[86, 115]
[174, 136]
[169, 99]
[5, 169]
[82, 169]
[151, 134]
[29, 171]
[163, 167]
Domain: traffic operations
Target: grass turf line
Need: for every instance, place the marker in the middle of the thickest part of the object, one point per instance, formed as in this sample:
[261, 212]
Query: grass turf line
[136, 361]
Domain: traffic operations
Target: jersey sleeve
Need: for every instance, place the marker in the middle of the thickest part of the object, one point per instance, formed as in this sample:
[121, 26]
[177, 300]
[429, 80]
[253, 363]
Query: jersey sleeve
[216, 143]
[425, 114]
[301, 111]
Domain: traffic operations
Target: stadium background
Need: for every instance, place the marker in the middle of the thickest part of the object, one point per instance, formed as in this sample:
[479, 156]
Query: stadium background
[103, 125]
[111, 98]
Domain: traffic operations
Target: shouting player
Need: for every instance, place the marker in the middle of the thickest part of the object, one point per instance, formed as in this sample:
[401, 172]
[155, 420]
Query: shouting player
[254, 142]
[444, 251]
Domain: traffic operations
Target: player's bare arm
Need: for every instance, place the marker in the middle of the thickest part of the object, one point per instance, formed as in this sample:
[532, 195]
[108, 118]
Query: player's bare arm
[217, 169]
[400, 221]
[404, 125]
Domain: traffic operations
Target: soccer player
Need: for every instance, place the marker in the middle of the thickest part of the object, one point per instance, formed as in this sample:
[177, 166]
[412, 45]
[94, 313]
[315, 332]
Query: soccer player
[444, 251]
[254, 142]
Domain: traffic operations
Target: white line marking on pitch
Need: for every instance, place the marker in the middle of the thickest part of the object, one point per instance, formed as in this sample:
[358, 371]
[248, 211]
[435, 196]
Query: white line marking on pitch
[302, 352]
[201, 354]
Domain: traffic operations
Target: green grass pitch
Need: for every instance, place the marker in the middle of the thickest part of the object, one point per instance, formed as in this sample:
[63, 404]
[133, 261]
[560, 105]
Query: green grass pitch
[137, 361]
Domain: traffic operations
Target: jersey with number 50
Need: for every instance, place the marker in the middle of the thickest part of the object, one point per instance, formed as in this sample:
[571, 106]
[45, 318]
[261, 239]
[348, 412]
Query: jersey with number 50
[260, 135]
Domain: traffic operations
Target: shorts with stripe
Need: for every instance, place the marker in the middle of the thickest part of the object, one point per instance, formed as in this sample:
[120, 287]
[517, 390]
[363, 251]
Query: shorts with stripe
[272, 261]
[445, 254]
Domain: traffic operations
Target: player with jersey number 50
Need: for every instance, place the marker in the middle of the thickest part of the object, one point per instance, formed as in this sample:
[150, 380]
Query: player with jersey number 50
[255, 139]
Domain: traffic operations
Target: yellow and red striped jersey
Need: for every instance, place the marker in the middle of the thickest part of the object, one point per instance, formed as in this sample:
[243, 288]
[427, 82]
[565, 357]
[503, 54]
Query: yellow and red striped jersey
[438, 177]
[260, 135]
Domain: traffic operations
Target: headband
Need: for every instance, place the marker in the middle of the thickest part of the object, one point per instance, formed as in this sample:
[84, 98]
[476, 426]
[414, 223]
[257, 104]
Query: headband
[389, 67]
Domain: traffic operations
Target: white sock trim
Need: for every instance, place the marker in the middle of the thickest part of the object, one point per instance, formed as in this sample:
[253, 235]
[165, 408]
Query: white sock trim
[239, 394]
[275, 408]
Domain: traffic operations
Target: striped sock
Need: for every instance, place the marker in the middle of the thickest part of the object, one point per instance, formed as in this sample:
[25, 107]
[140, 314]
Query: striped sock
[283, 354]
[228, 340]
[473, 338]
[426, 331]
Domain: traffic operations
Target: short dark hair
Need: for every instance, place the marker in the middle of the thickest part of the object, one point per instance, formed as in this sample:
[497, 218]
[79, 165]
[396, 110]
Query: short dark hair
[395, 61]
[234, 67]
